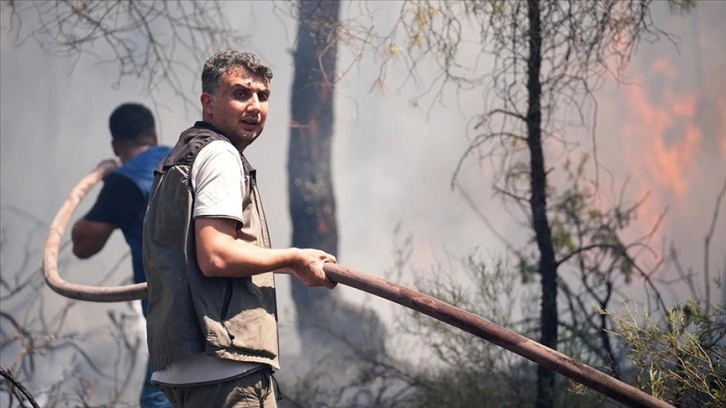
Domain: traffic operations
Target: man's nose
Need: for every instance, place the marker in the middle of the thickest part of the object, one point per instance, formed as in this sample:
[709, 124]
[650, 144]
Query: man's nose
[254, 104]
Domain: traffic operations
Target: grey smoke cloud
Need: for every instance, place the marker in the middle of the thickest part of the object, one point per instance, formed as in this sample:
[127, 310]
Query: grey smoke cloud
[392, 162]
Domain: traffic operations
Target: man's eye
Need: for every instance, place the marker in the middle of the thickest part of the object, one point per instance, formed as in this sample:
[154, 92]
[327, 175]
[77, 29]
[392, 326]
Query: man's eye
[263, 97]
[241, 94]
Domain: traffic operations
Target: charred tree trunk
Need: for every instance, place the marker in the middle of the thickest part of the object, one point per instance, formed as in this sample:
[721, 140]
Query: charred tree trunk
[538, 203]
[310, 185]
[321, 316]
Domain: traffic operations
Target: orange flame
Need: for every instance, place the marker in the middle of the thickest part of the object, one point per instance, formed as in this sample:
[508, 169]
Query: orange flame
[651, 121]
[669, 129]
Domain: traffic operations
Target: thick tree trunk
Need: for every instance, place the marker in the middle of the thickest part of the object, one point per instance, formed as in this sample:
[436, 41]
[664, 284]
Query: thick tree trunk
[321, 316]
[538, 204]
[310, 185]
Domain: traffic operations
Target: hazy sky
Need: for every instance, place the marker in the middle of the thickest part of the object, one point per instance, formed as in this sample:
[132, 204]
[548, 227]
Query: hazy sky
[392, 162]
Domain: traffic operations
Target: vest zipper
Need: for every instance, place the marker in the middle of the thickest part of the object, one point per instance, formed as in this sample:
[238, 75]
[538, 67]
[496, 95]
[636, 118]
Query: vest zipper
[266, 242]
[225, 307]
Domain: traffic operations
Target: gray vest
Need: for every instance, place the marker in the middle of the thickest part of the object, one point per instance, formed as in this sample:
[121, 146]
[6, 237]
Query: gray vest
[231, 318]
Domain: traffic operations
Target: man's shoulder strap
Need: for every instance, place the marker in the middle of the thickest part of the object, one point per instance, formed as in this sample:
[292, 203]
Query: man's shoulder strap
[190, 143]
[248, 167]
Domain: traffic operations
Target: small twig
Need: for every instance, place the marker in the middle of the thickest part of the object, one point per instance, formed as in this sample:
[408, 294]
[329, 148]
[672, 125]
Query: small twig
[16, 383]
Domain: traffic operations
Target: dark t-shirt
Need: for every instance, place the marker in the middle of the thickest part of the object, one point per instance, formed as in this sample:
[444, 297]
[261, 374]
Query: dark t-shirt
[119, 203]
[122, 204]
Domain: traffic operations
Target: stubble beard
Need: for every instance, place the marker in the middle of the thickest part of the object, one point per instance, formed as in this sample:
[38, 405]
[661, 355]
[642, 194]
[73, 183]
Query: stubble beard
[245, 139]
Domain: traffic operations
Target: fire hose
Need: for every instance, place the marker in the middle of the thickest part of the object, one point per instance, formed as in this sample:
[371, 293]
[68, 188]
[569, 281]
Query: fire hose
[478, 326]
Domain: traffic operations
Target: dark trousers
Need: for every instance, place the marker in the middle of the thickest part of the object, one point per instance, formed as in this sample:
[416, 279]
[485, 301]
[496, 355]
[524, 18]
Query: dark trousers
[254, 390]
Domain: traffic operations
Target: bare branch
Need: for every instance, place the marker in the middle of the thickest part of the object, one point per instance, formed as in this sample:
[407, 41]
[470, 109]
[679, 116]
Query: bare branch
[707, 248]
[147, 40]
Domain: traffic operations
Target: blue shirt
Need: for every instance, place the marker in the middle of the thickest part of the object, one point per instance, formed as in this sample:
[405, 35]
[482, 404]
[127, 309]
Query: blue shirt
[122, 203]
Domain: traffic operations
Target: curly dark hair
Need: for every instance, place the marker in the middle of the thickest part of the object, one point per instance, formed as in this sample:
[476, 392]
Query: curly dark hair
[220, 63]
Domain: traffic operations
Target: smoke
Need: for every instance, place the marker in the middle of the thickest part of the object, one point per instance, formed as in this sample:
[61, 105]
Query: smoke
[662, 132]
[393, 160]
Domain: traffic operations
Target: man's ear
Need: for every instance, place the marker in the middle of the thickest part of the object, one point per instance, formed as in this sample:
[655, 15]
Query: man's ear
[206, 100]
[115, 148]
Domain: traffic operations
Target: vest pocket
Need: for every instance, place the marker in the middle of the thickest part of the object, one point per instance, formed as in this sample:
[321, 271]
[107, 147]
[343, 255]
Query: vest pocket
[248, 322]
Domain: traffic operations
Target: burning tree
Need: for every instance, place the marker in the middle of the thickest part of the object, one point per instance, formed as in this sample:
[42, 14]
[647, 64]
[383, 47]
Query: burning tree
[310, 184]
[548, 57]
